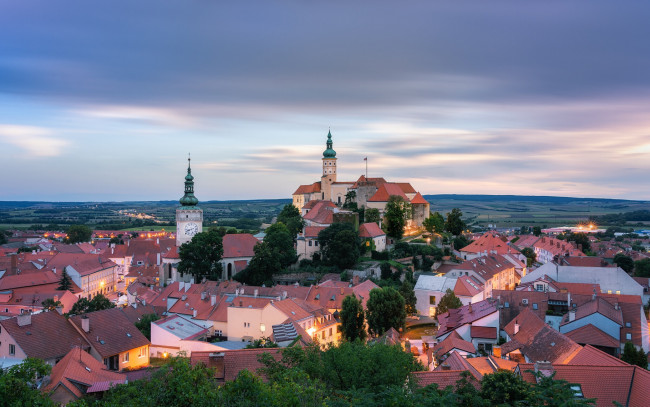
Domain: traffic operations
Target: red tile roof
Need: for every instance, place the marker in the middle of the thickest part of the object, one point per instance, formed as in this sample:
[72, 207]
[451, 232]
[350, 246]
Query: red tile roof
[239, 245]
[308, 189]
[490, 242]
[322, 213]
[78, 370]
[557, 247]
[172, 253]
[468, 286]
[590, 335]
[418, 199]
[111, 332]
[373, 181]
[626, 385]
[538, 341]
[599, 305]
[370, 230]
[487, 332]
[589, 355]
[451, 342]
[48, 336]
[85, 264]
[407, 188]
[455, 318]
[385, 191]
[312, 231]
[29, 280]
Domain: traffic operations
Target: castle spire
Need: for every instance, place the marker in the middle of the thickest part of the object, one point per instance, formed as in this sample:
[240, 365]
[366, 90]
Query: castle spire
[329, 152]
[189, 199]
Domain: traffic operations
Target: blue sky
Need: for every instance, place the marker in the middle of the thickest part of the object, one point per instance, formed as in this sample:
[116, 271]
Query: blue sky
[103, 100]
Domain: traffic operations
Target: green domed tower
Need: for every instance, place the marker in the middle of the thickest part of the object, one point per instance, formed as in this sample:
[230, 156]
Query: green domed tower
[189, 217]
[329, 169]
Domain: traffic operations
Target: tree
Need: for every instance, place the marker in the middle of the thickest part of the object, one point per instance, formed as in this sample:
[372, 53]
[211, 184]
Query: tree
[396, 212]
[624, 262]
[280, 241]
[50, 305]
[581, 240]
[84, 306]
[410, 301]
[447, 302]
[144, 324]
[455, 224]
[537, 230]
[386, 270]
[633, 356]
[290, 216]
[642, 268]
[201, 256]
[78, 234]
[372, 216]
[504, 387]
[435, 223]
[263, 342]
[551, 392]
[3, 236]
[260, 270]
[339, 245]
[460, 241]
[352, 319]
[18, 384]
[531, 256]
[386, 309]
[65, 284]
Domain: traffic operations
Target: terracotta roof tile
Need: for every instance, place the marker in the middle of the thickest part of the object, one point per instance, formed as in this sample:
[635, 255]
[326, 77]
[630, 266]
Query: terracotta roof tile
[239, 245]
[370, 230]
[443, 378]
[451, 342]
[418, 199]
[487, 332]
[114, 330]
[385, 191]
[48, 336]
[590, 335]
[308, 189]
[80, 370]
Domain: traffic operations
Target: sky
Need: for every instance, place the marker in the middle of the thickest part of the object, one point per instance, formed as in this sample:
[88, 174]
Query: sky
[103, 101]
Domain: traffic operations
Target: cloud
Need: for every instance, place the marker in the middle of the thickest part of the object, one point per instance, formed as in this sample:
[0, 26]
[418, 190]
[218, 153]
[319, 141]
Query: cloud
[36, 141]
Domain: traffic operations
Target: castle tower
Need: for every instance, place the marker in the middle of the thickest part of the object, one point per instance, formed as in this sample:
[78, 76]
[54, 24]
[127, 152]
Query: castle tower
[189, 217]
[329, 169]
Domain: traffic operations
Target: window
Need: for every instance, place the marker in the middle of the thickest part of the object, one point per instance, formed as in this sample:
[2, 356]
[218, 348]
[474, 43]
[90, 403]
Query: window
[218, 332]
[507, 304]
[316, 243]
[432, 300]
[618, 292]
[577, 390]
[142, 352]
[330, 331]
[534, 305]
[323, 335]
[628, 336]
[628, 325]
[12, 349]
[310, 243]
[126, 358]
[539, 287]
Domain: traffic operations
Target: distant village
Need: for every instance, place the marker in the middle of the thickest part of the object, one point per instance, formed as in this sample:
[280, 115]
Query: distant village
[568, 303]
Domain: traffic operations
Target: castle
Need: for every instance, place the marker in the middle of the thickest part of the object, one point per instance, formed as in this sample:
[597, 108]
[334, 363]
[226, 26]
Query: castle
[368, 192]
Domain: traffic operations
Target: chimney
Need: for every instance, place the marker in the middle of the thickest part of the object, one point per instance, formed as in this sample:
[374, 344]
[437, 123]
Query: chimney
[213, 300]
[56, 298]
[183, 297]
[544, 367]
[203, 295]
[24, 319]
[516, 328]
[255, 293]
[187, 286]
[157, 259]
[181, 285]
[496, 351]
[572, 315]
[54, 270]
[112, 249]
[342, 291]
[568, 299]
[157, 240]
[616, 307]
[284, 294]
[194, 314]
[85, 324]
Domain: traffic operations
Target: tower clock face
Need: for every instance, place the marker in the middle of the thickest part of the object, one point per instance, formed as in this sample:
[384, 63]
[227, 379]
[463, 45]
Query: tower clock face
[191, 229]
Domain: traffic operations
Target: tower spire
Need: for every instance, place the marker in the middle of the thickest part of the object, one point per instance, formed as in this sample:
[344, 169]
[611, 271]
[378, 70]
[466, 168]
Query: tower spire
[189, 199]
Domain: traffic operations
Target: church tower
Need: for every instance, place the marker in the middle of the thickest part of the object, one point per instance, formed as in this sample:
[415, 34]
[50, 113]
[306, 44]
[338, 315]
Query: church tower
[329, 169]
[189, 217]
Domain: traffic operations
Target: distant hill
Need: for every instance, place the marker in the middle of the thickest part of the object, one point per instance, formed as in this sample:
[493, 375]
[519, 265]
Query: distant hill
[524, 198]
